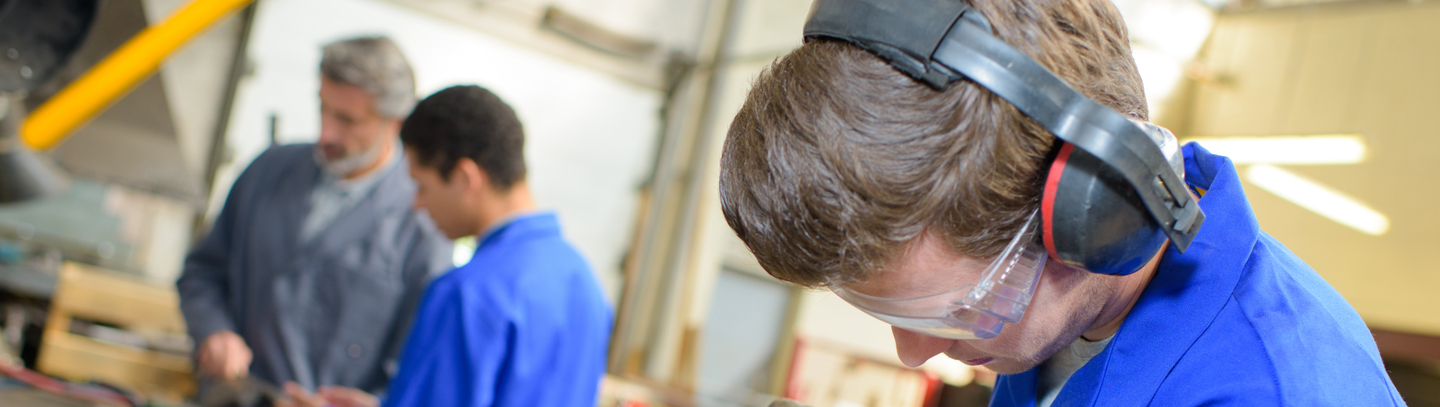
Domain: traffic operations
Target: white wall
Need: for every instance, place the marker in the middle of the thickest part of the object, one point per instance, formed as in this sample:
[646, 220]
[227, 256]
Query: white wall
[590, 137]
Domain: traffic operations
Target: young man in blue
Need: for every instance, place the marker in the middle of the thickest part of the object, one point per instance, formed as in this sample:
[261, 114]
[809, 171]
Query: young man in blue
[524, 322]
[840, 171]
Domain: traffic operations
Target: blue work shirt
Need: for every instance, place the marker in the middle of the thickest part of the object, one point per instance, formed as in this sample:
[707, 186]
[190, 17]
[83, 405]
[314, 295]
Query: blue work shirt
[1235, 320]
[522, 324]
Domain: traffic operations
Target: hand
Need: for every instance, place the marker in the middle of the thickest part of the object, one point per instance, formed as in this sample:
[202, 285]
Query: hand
[299, 397]
[348, 397]
[224, 355]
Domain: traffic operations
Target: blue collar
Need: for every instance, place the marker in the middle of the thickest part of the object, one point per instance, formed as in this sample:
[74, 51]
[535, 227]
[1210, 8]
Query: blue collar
[544, 222]
[1186, 294]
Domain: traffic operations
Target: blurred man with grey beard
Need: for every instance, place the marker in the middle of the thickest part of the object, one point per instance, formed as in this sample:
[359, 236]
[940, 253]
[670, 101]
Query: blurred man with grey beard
[313, 269]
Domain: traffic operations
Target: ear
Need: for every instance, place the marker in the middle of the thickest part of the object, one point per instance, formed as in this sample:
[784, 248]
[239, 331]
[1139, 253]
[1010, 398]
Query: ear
[475, 178]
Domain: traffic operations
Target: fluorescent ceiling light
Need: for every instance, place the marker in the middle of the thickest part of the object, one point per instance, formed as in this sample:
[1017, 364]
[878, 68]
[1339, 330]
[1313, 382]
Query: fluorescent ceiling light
[1317, 149]
[1318, 198]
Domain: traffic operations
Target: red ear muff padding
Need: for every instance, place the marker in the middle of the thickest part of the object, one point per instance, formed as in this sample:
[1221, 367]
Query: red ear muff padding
[1047, 201]
[1093, 219]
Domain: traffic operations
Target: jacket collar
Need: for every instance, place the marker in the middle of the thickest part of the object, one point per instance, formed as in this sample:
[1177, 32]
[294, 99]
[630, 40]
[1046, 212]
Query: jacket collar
[1185, 296]
[394, 191]
[543, 223]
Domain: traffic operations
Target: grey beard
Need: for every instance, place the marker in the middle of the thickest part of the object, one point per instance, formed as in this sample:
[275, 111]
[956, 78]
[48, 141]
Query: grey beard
[342, 167]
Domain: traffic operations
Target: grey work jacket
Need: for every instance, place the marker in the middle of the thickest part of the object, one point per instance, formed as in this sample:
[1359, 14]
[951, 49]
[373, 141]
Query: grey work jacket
[332, 311]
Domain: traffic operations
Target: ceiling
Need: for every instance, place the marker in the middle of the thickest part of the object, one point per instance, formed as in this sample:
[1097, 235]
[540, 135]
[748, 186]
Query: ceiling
[1363, 68]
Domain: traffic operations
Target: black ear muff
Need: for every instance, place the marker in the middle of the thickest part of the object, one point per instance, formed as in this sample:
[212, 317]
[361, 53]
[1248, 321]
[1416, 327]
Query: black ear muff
[1093, 219]
[1112, 198]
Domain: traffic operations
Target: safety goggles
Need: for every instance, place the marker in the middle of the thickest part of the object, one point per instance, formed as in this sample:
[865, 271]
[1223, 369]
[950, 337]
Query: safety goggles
[973, 311]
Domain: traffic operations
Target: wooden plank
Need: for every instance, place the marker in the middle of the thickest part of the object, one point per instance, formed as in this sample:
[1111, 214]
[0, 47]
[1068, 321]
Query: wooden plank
[79, 358]
[105, 296]
[128, 302]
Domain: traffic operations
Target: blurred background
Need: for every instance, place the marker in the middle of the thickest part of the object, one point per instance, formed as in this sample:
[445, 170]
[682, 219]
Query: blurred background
[1323, 104]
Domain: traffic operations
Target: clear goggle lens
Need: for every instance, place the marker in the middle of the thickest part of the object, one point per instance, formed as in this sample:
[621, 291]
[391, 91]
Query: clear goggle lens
[973, 311]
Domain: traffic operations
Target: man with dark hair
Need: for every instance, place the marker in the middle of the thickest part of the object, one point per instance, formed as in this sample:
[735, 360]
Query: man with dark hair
[524, 322]
[313, 269]
[841, 171]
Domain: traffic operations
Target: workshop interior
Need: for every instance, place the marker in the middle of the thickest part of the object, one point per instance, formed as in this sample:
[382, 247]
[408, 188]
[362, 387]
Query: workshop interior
[125, 123]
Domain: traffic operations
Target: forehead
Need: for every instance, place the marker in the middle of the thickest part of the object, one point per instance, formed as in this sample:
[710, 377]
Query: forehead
[340, 94]
[924, 266]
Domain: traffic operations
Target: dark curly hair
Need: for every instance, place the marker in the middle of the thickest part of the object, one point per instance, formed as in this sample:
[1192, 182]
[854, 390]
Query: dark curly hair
[467, 122]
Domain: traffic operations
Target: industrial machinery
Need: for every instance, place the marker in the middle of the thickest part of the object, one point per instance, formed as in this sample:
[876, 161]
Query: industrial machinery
[37, 38]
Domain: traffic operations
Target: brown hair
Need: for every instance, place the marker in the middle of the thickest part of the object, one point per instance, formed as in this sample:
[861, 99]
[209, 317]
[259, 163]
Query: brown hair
[837, 159]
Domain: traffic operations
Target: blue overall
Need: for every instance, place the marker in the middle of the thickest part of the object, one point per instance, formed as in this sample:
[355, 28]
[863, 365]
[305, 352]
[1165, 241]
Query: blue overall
[522, 324]
[1235, 320]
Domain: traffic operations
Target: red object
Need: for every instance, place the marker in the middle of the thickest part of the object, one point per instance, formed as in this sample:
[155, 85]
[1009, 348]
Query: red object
[1047, 202]
[792, 382]
[933, 385]
[63, 388]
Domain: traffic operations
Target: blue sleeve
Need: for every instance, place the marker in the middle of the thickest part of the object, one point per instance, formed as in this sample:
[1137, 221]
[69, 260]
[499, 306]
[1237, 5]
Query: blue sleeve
[454, 355]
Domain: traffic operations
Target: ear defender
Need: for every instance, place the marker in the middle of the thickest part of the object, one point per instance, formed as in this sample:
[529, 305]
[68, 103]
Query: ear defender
[1114, 194]
[1092, 218]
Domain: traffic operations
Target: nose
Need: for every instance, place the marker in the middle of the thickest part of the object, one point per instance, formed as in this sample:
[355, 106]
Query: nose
[328, 131]
[914, 349]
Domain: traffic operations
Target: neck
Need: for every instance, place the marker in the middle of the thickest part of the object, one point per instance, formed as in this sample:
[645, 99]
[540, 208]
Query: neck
[1115, 310]
[386, 149]
[504, 205]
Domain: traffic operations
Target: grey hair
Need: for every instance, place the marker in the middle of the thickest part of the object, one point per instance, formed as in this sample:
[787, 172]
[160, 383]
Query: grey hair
[376, 65]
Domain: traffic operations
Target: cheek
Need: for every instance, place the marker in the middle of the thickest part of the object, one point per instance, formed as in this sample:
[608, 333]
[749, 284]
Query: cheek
[1063, 305]
[373, 131]
[434, 202]
[449, 201]
[438, 208]
[352, 136]
[1019, 347]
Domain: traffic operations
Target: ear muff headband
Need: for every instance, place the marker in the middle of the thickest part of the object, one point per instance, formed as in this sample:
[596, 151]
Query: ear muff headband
[938, 42]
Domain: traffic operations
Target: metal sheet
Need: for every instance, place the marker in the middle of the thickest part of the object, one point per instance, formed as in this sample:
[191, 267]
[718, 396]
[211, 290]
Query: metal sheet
[134, 143]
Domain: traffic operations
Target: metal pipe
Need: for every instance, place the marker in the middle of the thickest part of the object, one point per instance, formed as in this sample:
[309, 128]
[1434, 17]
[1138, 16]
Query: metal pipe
[664, 337]
[240, 59]
[120, 72]
[642, 312]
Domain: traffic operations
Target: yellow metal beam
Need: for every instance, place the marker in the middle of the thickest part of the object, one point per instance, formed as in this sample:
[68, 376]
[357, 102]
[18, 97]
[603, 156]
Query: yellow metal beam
[119, 73]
